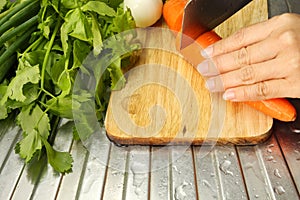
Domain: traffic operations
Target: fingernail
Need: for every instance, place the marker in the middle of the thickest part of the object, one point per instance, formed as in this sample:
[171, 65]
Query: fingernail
[203, 67]
[229, 95]
[207, 52]
[210, 84]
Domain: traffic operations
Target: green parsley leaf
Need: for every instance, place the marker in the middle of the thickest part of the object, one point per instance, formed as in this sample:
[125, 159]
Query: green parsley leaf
[30, 92]
[99, 7]
[61, 106]
[116, 75]
[60, 161]
[80, 52]
[32, 118]
[97, 37]
[75, 25]
[35, 125]
[2, 4]
[15, 88]
[3, 108]
[123, 21]
[3, 112]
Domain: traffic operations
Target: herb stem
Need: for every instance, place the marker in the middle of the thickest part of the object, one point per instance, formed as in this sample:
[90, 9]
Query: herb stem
[48, 93]
[45, 62]
[33, 45]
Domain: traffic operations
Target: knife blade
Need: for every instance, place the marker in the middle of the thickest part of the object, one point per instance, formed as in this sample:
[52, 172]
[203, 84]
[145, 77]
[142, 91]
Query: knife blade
[204, 15]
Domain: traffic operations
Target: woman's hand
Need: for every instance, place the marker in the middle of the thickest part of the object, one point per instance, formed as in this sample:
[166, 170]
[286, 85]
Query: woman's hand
[259, 62]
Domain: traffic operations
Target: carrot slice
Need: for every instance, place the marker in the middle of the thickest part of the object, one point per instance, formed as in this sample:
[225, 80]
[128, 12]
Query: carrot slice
[278, 108]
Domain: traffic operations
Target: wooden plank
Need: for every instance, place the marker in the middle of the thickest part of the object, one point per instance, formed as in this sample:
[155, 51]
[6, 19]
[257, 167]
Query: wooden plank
[160, 182]
[265, 171]
[114, 183]
[94, 171]
[11, 171]
[289, 142]
[206, 168]
[184, 185]
[256, 176]
[165, 99]
[29, 179]
[229, 172]
[9, 134]
[137, 174]
[218, 173]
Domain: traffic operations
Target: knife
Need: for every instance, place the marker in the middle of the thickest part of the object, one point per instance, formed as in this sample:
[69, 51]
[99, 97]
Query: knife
[204, 15]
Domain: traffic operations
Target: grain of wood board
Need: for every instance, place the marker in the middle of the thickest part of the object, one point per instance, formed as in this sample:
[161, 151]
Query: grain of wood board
[165, 100]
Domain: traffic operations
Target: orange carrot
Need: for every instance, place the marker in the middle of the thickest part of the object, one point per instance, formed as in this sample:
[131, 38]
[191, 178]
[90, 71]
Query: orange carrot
[208, 38]
[173, 13]
[278, 108]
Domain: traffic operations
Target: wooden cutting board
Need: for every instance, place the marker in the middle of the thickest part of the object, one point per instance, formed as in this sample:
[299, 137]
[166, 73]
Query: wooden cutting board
[165, 100]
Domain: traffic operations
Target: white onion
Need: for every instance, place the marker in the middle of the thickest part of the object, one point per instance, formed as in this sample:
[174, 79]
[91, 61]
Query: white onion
[144, 12]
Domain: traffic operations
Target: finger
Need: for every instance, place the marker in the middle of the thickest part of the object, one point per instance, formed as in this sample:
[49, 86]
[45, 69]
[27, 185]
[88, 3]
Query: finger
[254, 73]
[274, 88]
[256, 53]
[243, 37]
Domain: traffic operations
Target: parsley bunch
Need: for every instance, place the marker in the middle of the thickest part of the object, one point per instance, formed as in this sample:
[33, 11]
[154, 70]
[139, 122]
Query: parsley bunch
[41, 60]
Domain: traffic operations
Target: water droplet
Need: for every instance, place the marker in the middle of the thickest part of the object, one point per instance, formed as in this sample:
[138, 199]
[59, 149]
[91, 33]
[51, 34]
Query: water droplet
[224, 167]
[90, 182]
[176, 169]
[138, 176]
[212, 175]
[114, 173]
[276, 173]
[138, 191]
[179, 191]
[270, 158]
[256, 196]
[248, 166]
[279, 190]
[294, 129]
[269, 150]
[228, 195]
[163, 181]
[206, 183]
[231, 153]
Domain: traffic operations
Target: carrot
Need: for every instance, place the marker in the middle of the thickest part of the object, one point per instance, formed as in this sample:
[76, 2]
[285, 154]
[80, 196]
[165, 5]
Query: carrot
[173, 13]
[208, 38]
[278, 108]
